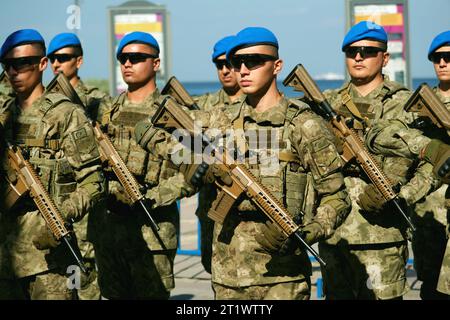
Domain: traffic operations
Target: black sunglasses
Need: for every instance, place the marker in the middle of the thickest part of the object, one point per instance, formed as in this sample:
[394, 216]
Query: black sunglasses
[61, 57]
[20, 63]
[251, 61]
[364, 52]
[222, 63]
[135, 57]
[437, 56]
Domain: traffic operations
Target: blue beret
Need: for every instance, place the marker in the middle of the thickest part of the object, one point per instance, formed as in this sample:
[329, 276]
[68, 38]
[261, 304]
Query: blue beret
[21, 37]
[365, 30]
[221, 46]
[137, 37]
[440, 40]
[63, 40]
[252, 36]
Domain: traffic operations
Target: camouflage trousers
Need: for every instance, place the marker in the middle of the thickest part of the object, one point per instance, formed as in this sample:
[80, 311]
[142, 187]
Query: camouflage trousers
[127, 268]
[367, 272]
[294, 290]
[443, 285]
[45, 286]
[428, 245]
[205, 198]
[429, 241]
[89, 289]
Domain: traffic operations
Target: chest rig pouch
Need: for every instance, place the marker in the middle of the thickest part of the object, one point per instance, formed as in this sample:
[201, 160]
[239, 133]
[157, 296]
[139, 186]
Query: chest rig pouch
[269, 156]
[145, 167]
[40, 138]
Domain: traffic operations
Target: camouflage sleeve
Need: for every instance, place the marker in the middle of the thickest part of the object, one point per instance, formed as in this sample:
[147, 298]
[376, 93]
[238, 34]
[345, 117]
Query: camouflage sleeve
[80, 148]
[393, 107]
[394, 138]
[422, 184]
[202, 101]
[314, 144]
[97, 103]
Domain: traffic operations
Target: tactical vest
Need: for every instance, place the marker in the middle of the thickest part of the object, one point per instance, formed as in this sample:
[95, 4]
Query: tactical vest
[29, 132]
[359, 109]
[396, 168]
[146, 168]
[288, 180]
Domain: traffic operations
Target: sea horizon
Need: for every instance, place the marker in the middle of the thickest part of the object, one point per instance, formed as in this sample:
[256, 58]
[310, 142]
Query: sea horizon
[202, 87]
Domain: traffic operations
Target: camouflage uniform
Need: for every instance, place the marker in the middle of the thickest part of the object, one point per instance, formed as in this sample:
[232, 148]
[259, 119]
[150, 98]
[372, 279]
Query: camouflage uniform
[91, 98]
[133, 264]
[207, 194]
[430, 215]
[368, 253]
[306, 163]
[62, 149]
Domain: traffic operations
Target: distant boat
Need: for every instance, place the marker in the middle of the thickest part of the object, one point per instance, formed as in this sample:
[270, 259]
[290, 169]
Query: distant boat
[330, 76]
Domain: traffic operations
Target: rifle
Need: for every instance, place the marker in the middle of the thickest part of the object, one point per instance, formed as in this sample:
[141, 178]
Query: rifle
[175, 89]
[29, 182]
[428, 105]
[353, 147]
[170, 115]
[108, 153]
[4, 79]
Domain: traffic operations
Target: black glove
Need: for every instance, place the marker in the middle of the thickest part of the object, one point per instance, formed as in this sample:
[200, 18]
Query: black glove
[371, 200]
[44, 239]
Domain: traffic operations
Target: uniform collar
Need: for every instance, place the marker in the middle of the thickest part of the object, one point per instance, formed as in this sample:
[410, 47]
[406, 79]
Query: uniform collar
[275, 115]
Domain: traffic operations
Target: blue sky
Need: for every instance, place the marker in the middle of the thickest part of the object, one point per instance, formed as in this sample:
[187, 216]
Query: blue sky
[309, 31]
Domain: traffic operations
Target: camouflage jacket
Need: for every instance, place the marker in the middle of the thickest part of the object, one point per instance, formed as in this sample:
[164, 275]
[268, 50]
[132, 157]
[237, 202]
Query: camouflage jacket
[219, 99]
[92, 99]
[310, 162]
[158, 176]
[382, 104]
[61, 146]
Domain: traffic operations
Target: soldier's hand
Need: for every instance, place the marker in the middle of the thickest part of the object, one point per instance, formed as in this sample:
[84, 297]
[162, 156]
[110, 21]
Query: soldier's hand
[215, 172]
[311, 232]
[44, 239]
[69, 211]
[273, 241]
[438, 154]
[371, 200]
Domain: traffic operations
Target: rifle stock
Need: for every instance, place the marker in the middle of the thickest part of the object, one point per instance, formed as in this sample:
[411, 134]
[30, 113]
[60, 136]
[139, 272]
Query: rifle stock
[108, 152]
[175, 89]
[428, 105]
[31, 184]
[353, 147]
[170, 115]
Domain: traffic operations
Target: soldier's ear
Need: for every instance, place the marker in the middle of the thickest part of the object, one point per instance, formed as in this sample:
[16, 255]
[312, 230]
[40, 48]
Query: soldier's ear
[43, 64]
[79, 61]
[386, 57]
[277, 66]
[156, 64]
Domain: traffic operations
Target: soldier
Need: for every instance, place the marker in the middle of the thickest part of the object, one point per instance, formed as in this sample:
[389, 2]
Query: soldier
[229, 93]
[430, 215]
[133, 262]
[430, 240]
[251, 258]
[62, 149]
[367, 256]
[66, 55]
